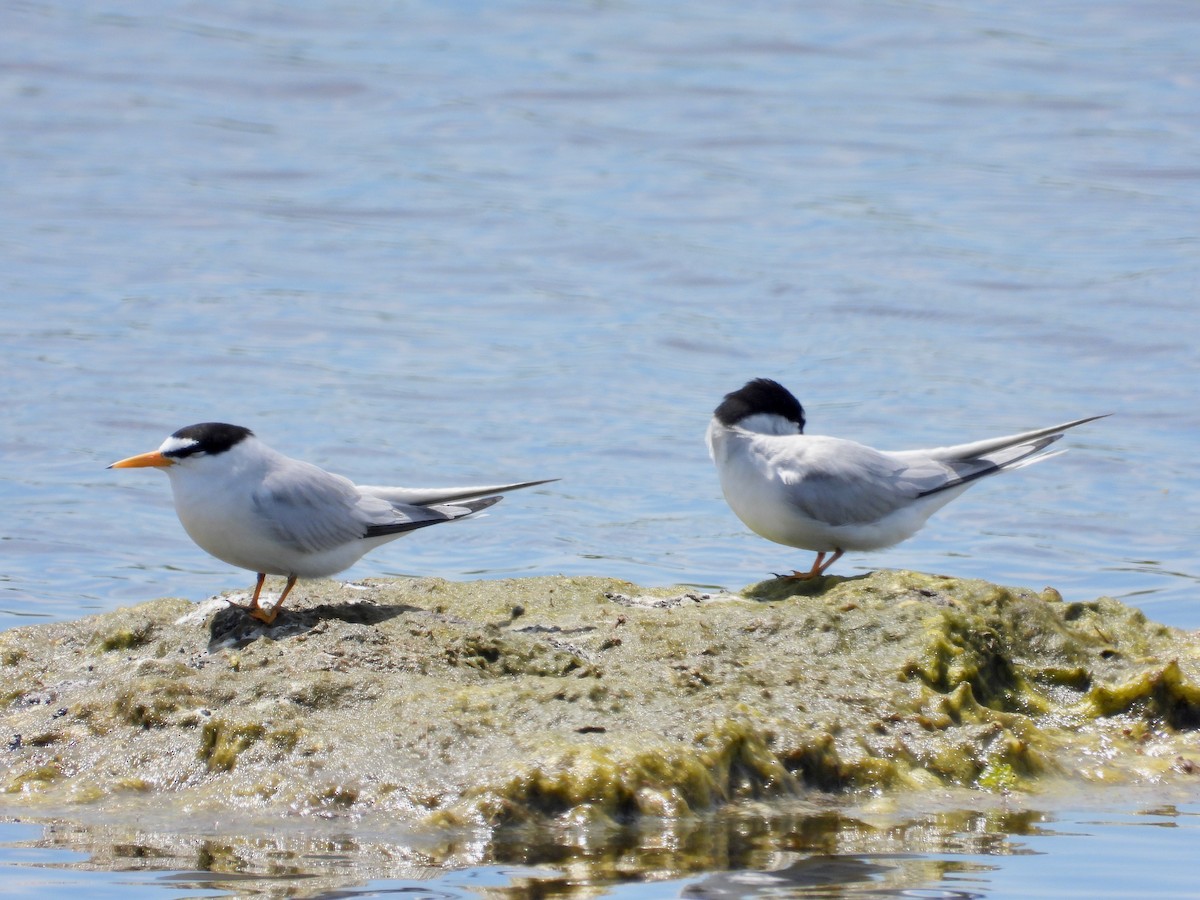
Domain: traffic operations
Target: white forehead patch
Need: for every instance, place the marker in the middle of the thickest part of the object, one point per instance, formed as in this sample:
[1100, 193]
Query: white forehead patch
[175, 444]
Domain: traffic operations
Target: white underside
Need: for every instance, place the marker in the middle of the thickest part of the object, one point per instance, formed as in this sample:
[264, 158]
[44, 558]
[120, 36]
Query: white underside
[257, 509]
[226, 524]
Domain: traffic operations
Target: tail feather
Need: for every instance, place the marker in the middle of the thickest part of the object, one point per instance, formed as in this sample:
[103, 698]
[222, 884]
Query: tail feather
[432, 496]
[980, 459]
[979, 449]
[1029, 461]
[466, 508]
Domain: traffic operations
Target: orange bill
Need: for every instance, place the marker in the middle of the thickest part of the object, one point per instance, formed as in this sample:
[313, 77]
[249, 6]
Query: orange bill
[155, 459]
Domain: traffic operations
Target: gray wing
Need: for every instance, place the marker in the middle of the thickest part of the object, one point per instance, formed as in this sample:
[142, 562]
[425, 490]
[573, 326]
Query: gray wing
[841, 482]
[312, 510]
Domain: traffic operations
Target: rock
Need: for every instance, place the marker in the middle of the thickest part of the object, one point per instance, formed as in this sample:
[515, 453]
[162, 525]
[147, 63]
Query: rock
[589, 700]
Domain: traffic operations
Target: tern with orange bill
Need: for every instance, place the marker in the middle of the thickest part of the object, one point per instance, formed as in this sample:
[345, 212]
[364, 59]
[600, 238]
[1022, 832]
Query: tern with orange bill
[254, 508]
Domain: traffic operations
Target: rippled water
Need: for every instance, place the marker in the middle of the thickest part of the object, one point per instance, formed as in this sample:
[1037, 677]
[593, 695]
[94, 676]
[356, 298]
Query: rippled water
[950, 854]
[446, 242]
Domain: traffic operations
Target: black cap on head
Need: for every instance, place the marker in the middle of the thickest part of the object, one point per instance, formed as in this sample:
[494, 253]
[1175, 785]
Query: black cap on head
[762, 395]
[207, 437]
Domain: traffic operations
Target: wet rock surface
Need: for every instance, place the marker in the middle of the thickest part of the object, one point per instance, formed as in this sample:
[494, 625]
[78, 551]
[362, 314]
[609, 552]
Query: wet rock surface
[588, 701]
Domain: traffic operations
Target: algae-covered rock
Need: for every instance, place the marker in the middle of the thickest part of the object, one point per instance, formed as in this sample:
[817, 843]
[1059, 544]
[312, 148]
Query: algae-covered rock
[589, 700]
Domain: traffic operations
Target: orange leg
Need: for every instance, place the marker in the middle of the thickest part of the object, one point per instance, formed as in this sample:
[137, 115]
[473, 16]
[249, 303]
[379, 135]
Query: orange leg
[253, 600]
[262, 576]
[820, 564]
[268, 615]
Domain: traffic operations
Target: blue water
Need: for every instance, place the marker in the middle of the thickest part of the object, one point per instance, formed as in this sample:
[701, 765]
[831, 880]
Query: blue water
[435, 243]
[1065, 854]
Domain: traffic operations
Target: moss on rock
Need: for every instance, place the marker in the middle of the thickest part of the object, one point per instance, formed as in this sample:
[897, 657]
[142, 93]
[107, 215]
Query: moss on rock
[586, 700]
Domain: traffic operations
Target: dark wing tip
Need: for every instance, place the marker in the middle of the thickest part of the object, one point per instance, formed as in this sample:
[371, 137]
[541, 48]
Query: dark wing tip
[446, 512]
[479, 505]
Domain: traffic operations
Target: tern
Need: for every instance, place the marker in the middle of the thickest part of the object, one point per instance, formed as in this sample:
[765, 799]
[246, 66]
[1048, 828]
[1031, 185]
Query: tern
[254, 508]
[831, 495]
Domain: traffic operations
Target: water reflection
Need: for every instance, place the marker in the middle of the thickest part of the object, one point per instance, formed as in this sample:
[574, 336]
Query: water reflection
[829, 876]
[739, 854]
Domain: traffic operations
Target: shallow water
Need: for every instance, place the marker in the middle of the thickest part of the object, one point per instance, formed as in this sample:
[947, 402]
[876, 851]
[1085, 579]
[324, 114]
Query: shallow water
[439, 243]
[1003, 852]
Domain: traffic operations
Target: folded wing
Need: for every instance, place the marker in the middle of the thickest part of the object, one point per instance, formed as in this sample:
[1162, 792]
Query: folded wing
[839, 482]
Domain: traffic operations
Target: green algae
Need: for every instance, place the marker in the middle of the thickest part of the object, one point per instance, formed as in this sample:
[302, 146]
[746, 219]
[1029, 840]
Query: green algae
[36, 778]
[12, 656]
[222, 743]
[590, 701]
[125, 638]
[152, 702]
[607, 783]
[1163, 695]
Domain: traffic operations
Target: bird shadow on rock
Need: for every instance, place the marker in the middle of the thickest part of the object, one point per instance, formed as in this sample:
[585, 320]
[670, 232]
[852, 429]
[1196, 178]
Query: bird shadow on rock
[781, 587]
[234, 627]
